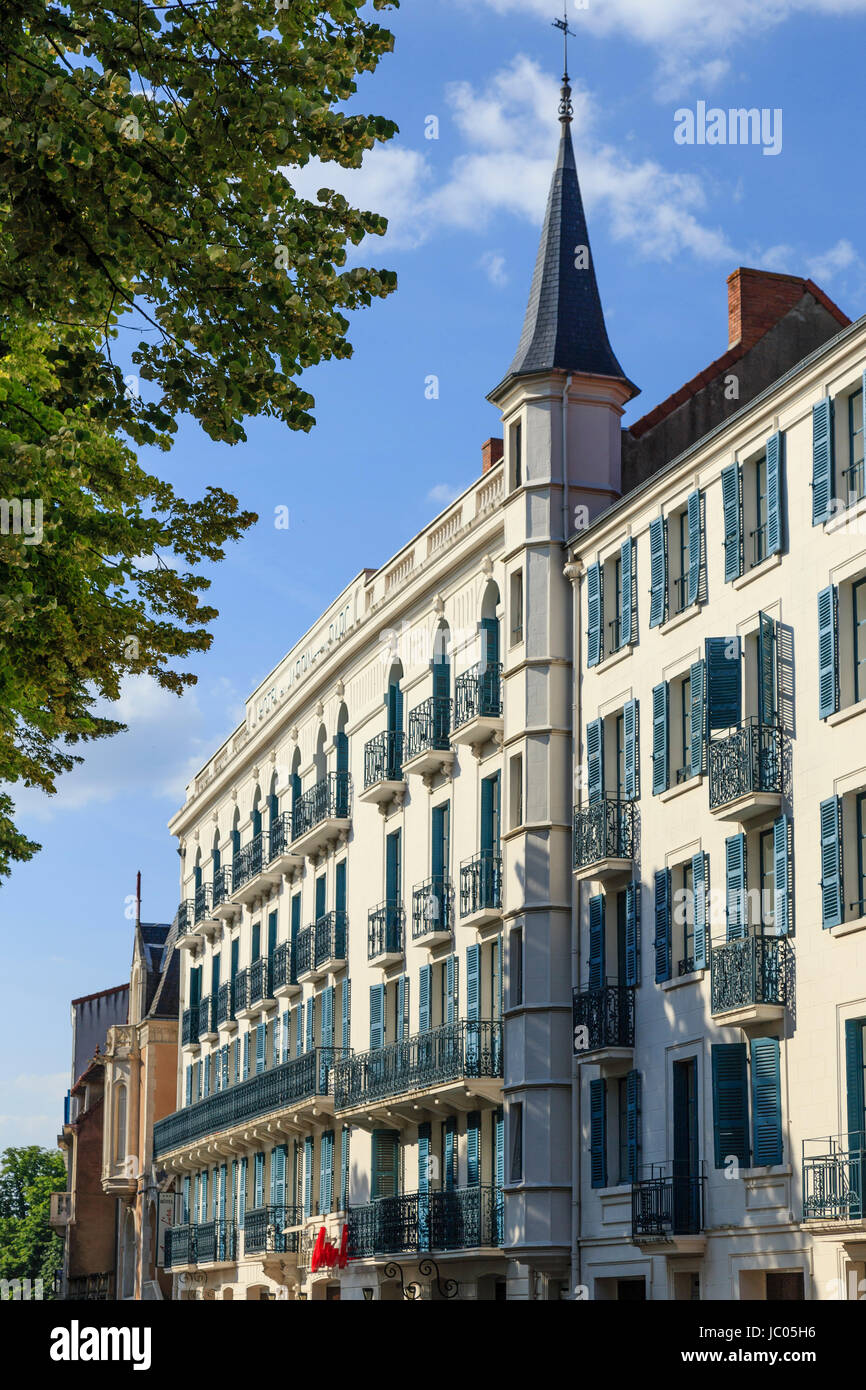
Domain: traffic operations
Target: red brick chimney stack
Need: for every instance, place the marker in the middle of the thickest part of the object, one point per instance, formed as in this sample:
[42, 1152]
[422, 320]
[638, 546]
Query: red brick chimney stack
[758, 299]
[491, 453]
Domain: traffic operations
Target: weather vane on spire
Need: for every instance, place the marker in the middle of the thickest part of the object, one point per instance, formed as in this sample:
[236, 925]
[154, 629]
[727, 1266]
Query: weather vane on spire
[566, 109]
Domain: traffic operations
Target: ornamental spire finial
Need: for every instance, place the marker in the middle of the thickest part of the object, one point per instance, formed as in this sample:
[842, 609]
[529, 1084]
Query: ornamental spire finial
[566, 108]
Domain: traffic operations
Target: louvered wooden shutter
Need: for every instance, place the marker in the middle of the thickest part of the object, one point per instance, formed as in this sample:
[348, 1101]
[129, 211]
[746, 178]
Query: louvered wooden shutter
[658, 571]
[732, 508]
[661, 719]
[724, 682]
[377, 1016]
[828, 652]
[735, 886]
[633, 1123]
[594, 605]
[473, 982]
[766, 1101]
[775, 517]
[598, 1132]
[700, 880]
[697, 719]
[473, 1148]
[595, 759]
[596, 941]
[662, 943]
[831, 863]
[696, 546]
[823, 460]
[781, 875]
[627, 593]
[631, 733]
[632, 934]
[730, 1103]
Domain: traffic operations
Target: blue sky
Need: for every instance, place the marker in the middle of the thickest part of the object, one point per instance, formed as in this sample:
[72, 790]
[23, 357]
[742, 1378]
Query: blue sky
[668, 223]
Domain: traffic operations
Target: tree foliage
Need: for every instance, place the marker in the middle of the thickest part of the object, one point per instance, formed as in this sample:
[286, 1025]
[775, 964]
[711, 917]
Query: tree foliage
[29, 1249]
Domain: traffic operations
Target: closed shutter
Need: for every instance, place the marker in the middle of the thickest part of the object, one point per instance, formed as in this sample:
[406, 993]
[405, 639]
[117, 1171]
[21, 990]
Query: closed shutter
[595, 759]
[184, 1208]
[451, 973]
[377, 1016]
[402, 1008]
[775, 518]
[596, 942]
[828, 651]
[450, 1154]
[327, 997]
[189, 1085]
[735, 886]
[311, 1024]
[299, 1030]
[326, 1172]
[598, 1132]
[278, 1030]
[697, 720]
[344, 1168]
[732, 508]
[424, 1158]
[658, 571]
[246, 1055]
[308, 1176]
[631, 734]
[626, 598]
[632, 934]
[662, 943]
[823, 460]
[385, 1163]
[856, 1088]
[261, 1037]
[347, 1013]
[730, 1103]
[424, 978]
[286, 1039]
[499, 1147]
[831, 863]
[594, 605]
[473, 1148]
[767, 678]
[258, 1180]
[242, 1194]
[661, 720]
[724, 683]
[633, 1123]
[696, 546]
[321, 895]
[766, 1101]
[781, 876]
[473, 982]
[700, 880]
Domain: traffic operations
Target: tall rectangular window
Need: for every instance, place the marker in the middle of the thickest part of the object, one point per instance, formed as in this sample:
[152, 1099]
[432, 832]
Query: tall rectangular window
[516, 790]
[515, 967]
[616, 620]
[620, 756]
[687, 912]
[859, 602]
[515, 1113]
[517, 452]
[766, 859]
[622, 1130]
[759, 538]
[516, 607]
[854, 473]
[684, 770]
[682, 582]
[860, 906]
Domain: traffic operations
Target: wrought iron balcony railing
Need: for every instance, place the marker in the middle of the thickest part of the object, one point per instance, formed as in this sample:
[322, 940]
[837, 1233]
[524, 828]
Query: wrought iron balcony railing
[303, 1078]
[322, 943]
[224, 1010]
[605, 829]
[432, 907]
[834, 1178]
[241, 991]
[215, 1242]
[261, 987]
[481, 883]
[222, 886]
[430, 726]
[179, 1246]
[285, 970]
[753, 970]
[383, 758]
[249, 862]
[266, 1229]
[203, 901]
[327, 800]
[386, 930]
[607, 1015]
[207, 1011]
[466, 1048]
[280, 835]
[189, 1027]
[185, 917]
[478, 693]
[667, 1202]
[746, 759]
[413, 1223]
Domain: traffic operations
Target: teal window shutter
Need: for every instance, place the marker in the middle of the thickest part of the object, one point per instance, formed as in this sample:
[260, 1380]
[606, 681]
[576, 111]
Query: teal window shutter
[499, 1146]
[473, 1148]
[326, 1172]
[632, 934]
[184, 1208]
[732, 509]
[594, 604]
[730, 1103]
[278, 1175]
[308, 1175]
[661, 722]
[633, 1123]
[377, 1016]
[344, 1169]
[473, 982]
[299, 1029]
[627, 593]
[189, 1085]
[327, 998]
[767, 669]
[385, 1163]
[735, 886]
[831, 862]
[424, 978]
[662, 943]
[856, 1088]
[596, 941]
[311, 1024]
[595, 759]
[246, 1055]
[347, 1013]
[781, 876]
[697, 721]
[451, 989]
[658, 571]
[823, 460]
[242, 1194]
[828, 651]
[258, 1180]
[261, 1036]
[402, 1019]
[286, 1040]
[598, 1132]
[631, 734]
[775, 518]
[449, 1176]
[724, 683]
[424, 1158]
[766, 1102]
[700, 881]
[696, 547]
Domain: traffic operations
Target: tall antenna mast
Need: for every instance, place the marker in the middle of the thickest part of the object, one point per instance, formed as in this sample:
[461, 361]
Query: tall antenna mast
[138, 899]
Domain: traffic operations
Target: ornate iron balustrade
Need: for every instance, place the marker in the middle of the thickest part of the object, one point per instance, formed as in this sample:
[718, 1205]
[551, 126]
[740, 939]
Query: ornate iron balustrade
[466, 1048]
[222, 886]
[280, 835]
[607, 1014]
[330, 937]
[285, 971]
[667, 1203]
[260, 980]
[327, 800]
[203, 900]
[383, 758]
[749, 758]
[249, 862]
[215, 1242]
[189, 1027]
[224, 1010]
[185, 917]
[385, 930]
[265, 1230]
[413, 1223]
[481, 883]
[432, 907]
[179, 1246]
[241, 991]
[278, 1088]
[753, 970]
[305, 950]
[605, 829]
[478, 693]
[430, 726]
[207, 1014]
[834, 1177]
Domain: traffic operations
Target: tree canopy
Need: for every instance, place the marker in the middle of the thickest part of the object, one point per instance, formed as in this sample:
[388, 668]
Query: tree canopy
[29, 1249]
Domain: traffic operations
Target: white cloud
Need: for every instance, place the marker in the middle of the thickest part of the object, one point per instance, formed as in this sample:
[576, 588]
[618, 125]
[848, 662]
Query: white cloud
[840, 257]
[443, 493]
[493, 265]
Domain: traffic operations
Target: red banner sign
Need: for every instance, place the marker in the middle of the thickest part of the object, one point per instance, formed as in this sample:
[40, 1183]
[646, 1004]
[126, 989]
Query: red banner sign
[325, 1253]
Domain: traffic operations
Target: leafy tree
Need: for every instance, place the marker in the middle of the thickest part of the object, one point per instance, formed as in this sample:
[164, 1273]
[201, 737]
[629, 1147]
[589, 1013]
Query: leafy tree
[29, 1249]
[145, 186]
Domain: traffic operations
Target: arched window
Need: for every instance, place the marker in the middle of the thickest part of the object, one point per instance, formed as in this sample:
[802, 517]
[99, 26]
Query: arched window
[196, 873]
[236, 834]
[297, 826]
[341, 748]
[320, 760]
[489, 627]
[257, 813]
[442, 685]
[215, 855]
[273, 804]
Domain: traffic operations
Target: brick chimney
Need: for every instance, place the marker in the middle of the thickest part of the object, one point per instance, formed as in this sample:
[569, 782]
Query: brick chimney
[758, 299]
[491, 453]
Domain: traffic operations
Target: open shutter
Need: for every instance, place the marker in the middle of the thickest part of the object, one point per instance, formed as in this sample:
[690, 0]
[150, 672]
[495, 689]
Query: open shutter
[856, 1088]
[632, 934]
[823, 484]
[261, 1041]
[424, 1158]
[766, 1102]
[626, 597]
[631, 731]
[735, 886]
[596, 941]
[696, 548]
[326, 1172]
[299, 1032]
[732, 508]
[661, 719]
[377, 1016]
[697, 721]
[700, 877]
[781, 876]
[308, 1175]
[730, 1103]
[347, 1013]
[775, 522]
[278, 1175]
[633, 1123]
[831, 863]
[242, 1194]
[258, 1180]
[473, 982]
[595, 759]
[327, 1038]
[402, 1008]
[724, 683]
[246, 1055]
[598, 1132]
[658, 571]
[451, 989]
[424, 976]
[662, 941]
[344, 1168]
[473, 1148]
[828, 651]
[311, 1023]
[286, 1038]
[767, 666]
[595, 644]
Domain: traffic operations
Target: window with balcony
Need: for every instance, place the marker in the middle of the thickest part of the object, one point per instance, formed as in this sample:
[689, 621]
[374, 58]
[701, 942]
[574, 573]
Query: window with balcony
[615, 1122]
[681, 918]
